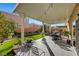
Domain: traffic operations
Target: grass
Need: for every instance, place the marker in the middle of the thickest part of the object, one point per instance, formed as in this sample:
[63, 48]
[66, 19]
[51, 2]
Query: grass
[35, 37]
[7, 46]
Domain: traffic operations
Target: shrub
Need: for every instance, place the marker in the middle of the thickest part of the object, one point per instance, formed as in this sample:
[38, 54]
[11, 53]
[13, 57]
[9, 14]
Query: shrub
[67, 33]
[7, 26]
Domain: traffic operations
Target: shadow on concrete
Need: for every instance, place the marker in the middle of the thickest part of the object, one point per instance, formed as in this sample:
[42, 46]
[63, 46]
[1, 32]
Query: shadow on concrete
[62, 44]
[50, 51]
[24, 49]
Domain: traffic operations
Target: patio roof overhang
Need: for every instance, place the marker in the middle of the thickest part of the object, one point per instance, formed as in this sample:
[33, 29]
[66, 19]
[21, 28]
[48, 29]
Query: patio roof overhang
[46, 12]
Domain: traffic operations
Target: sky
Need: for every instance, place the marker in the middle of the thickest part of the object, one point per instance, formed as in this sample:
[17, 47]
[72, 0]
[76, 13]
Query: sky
[7, 7]
[62, 24]
[31, 21]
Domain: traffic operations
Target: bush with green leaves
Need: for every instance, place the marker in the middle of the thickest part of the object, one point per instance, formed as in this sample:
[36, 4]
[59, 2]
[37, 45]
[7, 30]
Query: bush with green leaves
[27, 39]
[7, 26]
[67, 33]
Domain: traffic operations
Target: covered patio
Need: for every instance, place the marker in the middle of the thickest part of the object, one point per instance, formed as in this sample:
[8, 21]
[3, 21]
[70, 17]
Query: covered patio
[49, 13]
[46, 43]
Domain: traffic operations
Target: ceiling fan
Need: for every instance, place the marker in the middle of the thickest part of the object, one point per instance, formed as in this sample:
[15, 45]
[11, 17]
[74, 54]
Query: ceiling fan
[50, 6]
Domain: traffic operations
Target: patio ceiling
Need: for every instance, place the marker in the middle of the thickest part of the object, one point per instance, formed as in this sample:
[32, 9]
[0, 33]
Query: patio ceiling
[47, 12]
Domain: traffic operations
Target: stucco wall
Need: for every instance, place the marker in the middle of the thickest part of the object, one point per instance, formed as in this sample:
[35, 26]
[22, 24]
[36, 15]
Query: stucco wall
[77, 36]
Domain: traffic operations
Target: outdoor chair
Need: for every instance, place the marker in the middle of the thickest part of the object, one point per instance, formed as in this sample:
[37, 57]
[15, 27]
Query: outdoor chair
[30, 50]
[55, 35]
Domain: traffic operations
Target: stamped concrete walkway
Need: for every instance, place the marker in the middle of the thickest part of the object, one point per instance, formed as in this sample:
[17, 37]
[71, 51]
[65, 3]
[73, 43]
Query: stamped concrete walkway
[54, 47]
[51, 48]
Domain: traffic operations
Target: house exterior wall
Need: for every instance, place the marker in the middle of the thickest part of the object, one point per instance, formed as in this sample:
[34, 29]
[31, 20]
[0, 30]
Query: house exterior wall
[77, 36]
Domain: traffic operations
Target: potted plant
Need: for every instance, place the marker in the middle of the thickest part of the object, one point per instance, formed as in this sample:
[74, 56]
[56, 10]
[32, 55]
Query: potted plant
[28, 41]
[67, 33]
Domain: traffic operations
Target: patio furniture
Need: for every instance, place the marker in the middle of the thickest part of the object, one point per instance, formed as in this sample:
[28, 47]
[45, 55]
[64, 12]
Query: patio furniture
[29, 50]
[55, 35]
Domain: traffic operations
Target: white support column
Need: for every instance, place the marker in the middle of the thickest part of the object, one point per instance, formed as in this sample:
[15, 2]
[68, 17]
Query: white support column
[71, 31]
[43, 28]
[50, 28]
[68, 28]
[22, 16]
[67, 24]
[22, 31]
[72, 34]
[22, 27]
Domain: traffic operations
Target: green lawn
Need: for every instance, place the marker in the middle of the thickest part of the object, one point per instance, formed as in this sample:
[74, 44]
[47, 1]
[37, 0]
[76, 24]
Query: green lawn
[35, 37]
[7, 46]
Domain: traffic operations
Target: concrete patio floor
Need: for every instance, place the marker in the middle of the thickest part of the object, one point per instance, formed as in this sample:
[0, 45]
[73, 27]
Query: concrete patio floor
[52, 48]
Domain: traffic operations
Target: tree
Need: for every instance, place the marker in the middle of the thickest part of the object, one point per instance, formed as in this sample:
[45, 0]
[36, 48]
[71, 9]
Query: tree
[7, 26]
